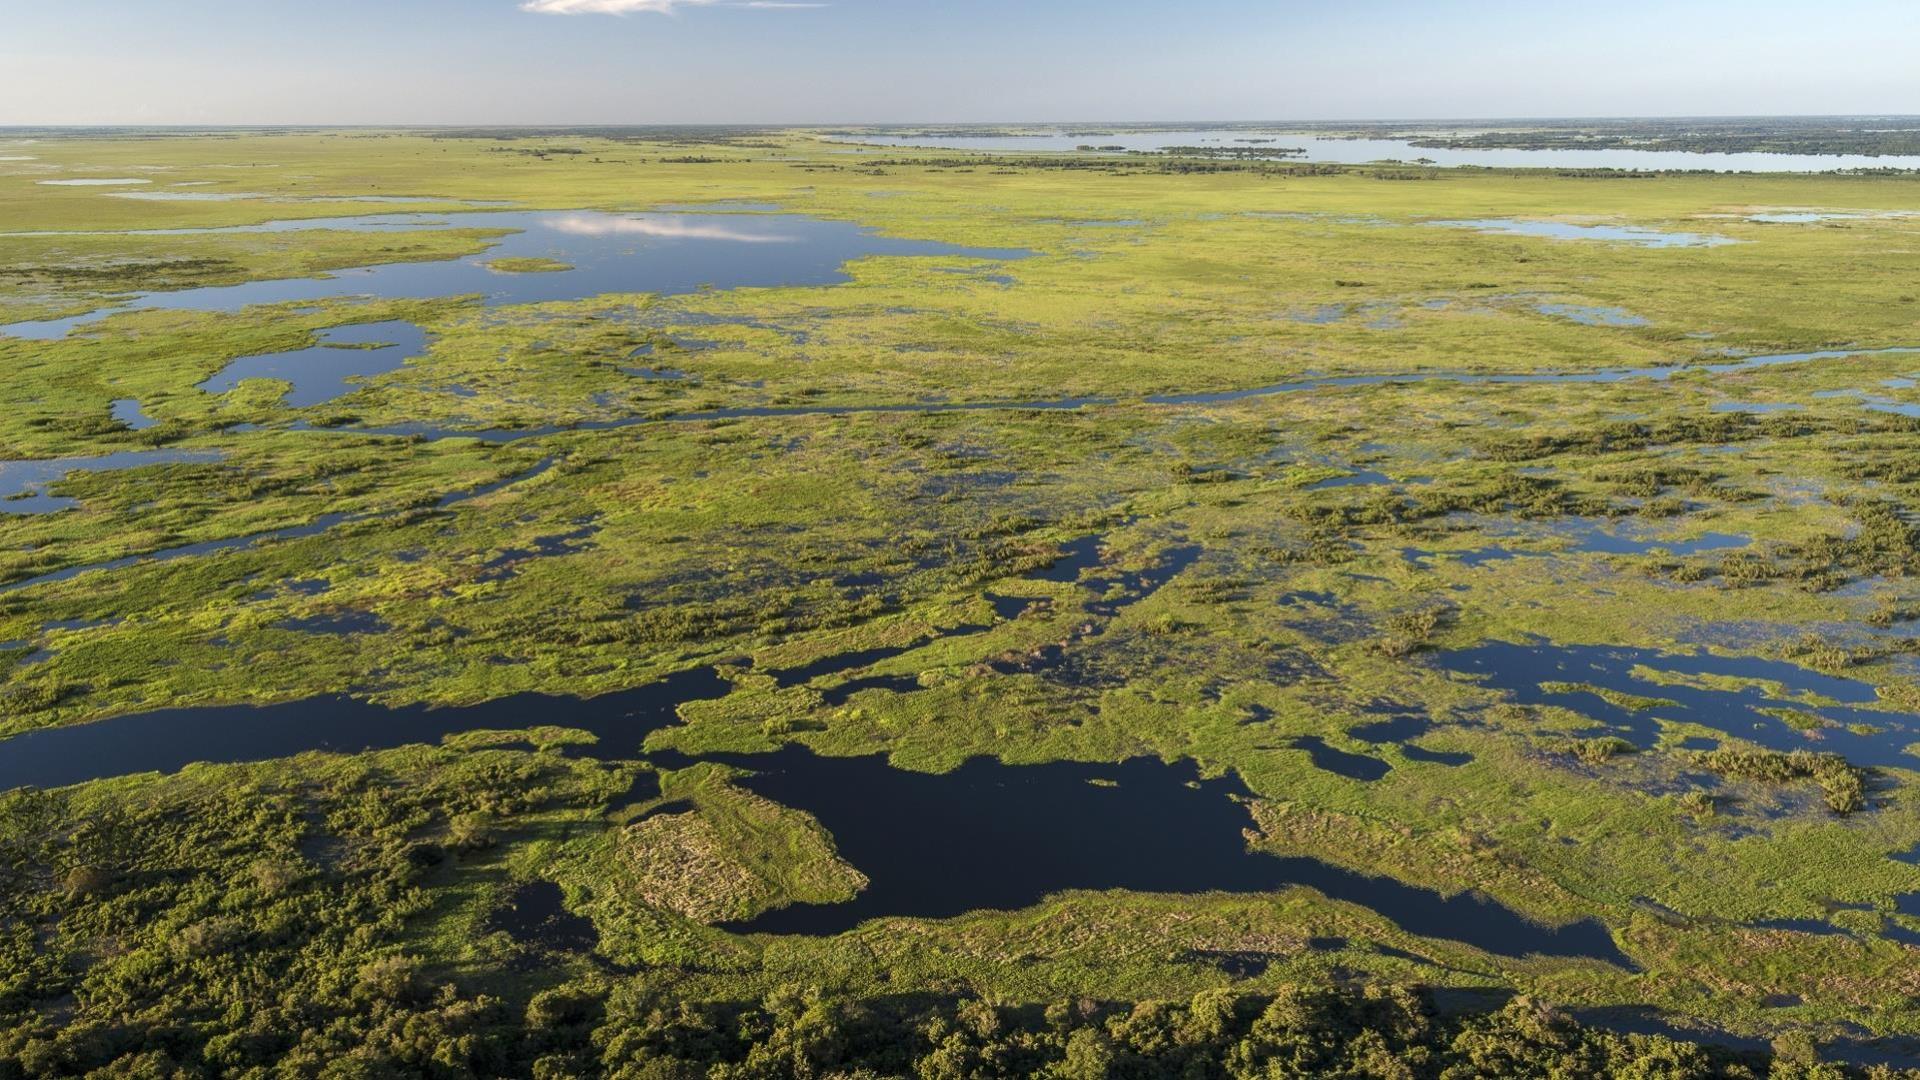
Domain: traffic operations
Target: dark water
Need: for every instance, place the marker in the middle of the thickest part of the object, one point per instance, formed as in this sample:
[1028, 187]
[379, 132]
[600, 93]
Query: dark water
[23, 483]
[536, 914]
[1000, 837]
[1394, 729]
[834, 665]
[987, 836]
[1519, 669]
[836, 696]
[321, 373]
[1076, 558]
[1449, 758]
[1401, 730]
[661, 254]
[507, 564]
[1896, 1051]
[1352, 766]
[171, 739]
[337, 623]
[1076, 561]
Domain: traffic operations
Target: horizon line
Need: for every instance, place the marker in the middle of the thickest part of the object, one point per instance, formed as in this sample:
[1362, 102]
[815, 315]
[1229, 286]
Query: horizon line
[1196, 122]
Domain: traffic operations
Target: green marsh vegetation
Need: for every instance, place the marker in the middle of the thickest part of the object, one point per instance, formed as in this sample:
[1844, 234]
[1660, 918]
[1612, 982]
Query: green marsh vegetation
[1347, 539]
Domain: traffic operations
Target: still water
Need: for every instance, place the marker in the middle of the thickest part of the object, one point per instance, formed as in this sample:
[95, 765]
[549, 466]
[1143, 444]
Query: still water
[660, 254]
[1367, 151]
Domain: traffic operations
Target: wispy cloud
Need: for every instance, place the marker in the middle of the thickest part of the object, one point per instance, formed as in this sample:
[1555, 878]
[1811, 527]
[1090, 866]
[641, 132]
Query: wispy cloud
[664, 227]
[658, 7]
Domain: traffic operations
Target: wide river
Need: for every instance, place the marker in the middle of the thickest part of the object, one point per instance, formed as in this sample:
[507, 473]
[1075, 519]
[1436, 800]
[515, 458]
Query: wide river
[1333, 151]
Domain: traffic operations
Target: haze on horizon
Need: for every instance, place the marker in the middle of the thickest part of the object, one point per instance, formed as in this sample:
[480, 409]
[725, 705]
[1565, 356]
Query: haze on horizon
[928, 61]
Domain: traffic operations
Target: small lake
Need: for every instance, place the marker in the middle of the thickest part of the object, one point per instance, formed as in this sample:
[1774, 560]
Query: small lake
[603, 253]
[326, 371]
[985, 836]
[1001, 837]
[1337, 151]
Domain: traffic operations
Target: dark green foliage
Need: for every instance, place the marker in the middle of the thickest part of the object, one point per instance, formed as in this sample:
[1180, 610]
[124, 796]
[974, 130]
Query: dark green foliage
[642, 1029]
[1601, 750]
[1841, 785]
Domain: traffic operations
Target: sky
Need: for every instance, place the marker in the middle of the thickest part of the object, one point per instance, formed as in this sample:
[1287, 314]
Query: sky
[933, 61]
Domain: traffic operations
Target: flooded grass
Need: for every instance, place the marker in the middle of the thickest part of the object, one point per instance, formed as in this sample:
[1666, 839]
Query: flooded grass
[973, 586]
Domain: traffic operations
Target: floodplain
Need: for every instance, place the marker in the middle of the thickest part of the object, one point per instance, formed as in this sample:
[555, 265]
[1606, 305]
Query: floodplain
[646, 575]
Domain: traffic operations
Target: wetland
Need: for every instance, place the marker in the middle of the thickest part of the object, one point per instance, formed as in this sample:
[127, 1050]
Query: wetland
[732, 574]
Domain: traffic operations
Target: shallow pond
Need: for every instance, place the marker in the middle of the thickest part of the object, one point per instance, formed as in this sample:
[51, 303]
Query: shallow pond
[535, 913]
[1542, 673]
[1362, 767]
[660, 254]
[128, 414]
[1581, 536]
[1592, 315]
[323, 372]
[1811, 217]
[336, 624]
[1560, 230]
[23, 483]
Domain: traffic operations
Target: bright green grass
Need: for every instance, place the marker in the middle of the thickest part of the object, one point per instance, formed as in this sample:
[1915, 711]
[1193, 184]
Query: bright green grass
[735, 541]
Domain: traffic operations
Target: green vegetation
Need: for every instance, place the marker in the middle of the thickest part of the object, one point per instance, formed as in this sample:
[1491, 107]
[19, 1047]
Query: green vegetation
[527, 265]
[1299, 564]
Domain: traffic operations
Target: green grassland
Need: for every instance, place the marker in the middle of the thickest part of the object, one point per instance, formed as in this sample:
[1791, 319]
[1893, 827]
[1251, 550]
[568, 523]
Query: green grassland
[356, 885]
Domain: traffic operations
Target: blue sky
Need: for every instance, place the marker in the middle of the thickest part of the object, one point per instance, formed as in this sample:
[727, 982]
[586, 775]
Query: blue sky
[760, 61]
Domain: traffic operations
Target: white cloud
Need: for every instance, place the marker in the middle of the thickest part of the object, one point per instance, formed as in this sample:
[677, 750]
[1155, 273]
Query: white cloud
[658, 7]
[665, 227]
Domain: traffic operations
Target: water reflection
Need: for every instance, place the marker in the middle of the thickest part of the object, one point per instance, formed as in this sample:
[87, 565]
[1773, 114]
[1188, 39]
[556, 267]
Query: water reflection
[994, 836]
[1295, 146]
[1776, 704]
[1561, 230]
[325, 371]
[23, 483]
[658, 254]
